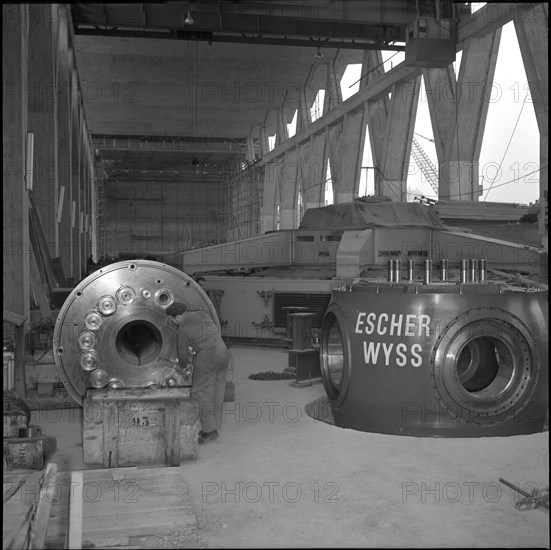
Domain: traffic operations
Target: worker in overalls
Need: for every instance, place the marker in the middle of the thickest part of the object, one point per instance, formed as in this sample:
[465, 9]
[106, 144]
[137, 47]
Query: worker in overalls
[197, 330]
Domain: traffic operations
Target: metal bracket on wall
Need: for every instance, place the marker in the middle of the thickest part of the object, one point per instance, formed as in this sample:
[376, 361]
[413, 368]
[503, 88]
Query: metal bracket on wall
[266, 295]
[266, 323]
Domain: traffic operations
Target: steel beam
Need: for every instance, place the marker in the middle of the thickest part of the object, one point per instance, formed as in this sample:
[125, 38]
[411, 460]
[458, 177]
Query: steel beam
[153, 143]
[488, 19]
[380, 27]
[479, 24]
[241, 39]
[400, 73]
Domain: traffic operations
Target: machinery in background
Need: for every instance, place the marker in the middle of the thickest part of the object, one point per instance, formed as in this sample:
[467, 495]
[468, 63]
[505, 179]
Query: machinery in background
[253, 280]
[452, 358]
[403, 351]
[24, 445]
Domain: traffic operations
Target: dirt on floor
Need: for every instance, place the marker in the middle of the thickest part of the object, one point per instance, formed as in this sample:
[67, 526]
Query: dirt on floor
[278, 478]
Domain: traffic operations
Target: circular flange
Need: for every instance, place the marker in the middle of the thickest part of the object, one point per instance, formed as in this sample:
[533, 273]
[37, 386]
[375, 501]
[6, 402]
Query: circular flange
[115, 322]
[485, 366]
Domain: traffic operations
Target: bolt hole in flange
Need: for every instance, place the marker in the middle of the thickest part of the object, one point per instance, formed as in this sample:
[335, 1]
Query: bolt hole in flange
[126, 295]
[164, 297]
[139, 342]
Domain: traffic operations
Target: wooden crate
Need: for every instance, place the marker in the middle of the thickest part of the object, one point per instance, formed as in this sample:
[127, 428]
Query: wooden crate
[27, 452]
[128, 427]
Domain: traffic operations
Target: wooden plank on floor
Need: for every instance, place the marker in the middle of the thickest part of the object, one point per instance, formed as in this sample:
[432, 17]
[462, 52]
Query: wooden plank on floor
[17, 510]
[42, 513]
[113, 499]
[158, 496]
[76, 505]
[12, 481]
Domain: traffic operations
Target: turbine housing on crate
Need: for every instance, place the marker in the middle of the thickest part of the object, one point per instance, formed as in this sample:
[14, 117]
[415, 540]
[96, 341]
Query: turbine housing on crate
[446, 359]
[113, 330]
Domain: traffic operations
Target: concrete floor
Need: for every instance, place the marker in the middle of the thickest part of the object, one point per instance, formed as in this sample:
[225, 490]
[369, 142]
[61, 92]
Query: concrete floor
[278, 478]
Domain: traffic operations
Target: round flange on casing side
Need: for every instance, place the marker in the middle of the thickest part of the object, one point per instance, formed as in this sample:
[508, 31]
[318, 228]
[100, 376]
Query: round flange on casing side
[113, 328]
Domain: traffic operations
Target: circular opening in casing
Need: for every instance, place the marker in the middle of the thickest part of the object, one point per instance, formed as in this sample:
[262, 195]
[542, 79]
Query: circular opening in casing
[332, 356]
[485, 367]
[139, 342]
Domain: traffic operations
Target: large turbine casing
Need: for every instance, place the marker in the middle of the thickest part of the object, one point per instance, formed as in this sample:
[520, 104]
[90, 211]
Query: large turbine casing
[437, 360]
[113, 330]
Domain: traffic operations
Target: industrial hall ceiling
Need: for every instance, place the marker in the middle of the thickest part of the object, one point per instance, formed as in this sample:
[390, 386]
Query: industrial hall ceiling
[173, 89]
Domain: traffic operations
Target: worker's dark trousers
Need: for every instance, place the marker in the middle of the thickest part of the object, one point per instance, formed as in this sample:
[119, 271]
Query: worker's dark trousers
[209, 384]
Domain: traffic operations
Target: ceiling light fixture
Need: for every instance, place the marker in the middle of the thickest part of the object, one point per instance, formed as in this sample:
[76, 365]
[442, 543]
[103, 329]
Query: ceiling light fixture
[318, 54]
[189, 20]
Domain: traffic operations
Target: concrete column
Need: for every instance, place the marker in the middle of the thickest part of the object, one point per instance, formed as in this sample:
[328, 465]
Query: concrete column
[287, 186]
[282, 134]
[533, 38]
[250, 148]
[264, 145]
[334, 134]
[315, 171]
[304, 117]
[268, 220]
[459, 169]
[333, 95]
[332, 99]
[346, 180]
[440, 87]
[397, 143]
[377, 111]
[42, 106]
